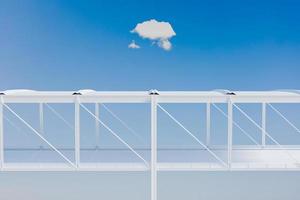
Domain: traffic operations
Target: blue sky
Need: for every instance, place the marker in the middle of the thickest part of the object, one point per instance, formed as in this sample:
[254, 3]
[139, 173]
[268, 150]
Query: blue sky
[63, 45]
[58, 45]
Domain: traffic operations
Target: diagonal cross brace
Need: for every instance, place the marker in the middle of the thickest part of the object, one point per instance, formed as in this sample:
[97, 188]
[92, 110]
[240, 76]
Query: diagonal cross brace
[236, 124]
[283, 117]
[59, 116]
[38, 134]
[123, 123]
[114, 134]
[193, 136]
[267, 134]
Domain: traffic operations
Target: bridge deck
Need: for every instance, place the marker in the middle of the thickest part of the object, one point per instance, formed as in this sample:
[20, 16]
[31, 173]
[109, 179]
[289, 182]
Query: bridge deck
[94, 159]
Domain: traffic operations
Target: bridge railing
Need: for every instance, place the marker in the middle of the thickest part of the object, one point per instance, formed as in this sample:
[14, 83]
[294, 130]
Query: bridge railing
[68, 130]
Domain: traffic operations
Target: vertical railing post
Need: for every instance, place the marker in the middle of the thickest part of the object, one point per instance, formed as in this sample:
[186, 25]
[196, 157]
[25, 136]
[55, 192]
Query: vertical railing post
[97, 125]
[41, 118]
[77, 132]
[207, 124]
[1, 135]
[263, 125]
[153, 95]
[41, 114]
[229, 126]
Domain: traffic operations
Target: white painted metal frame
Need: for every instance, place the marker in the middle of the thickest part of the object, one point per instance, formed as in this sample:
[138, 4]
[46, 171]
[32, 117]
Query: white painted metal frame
[97, 125]
[154, 98]
[208, 124]
[153, 147]
[263, 118]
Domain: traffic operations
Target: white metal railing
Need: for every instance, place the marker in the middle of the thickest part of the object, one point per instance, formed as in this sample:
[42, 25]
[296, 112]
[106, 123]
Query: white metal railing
[155, 99]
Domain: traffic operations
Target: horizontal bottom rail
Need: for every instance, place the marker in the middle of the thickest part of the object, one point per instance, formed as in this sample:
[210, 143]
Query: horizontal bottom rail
[167, 148]
[105, 167]
[136, 167]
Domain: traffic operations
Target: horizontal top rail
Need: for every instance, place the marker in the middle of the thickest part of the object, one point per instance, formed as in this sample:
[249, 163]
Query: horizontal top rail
[91, 96]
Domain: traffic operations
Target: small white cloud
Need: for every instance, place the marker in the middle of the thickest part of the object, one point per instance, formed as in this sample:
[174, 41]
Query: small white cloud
[133, 45]
[154, 30]
[165, 44]
[159, 32]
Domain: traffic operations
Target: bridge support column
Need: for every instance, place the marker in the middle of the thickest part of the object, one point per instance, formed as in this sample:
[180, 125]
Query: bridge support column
[153, 146]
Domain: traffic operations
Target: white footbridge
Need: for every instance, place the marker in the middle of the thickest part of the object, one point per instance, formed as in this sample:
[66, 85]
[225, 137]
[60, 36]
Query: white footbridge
[67, 131]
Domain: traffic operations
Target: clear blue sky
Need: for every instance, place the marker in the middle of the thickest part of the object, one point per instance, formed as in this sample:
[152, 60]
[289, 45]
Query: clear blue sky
[58, 45]
[64, 45]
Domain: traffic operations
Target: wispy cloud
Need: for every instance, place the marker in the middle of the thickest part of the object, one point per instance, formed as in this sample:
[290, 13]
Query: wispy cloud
[159, 32]
[133, 45]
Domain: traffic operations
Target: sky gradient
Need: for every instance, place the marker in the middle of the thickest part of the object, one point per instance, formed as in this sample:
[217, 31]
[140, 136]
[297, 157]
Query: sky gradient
[249, 45]
[235, 45]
